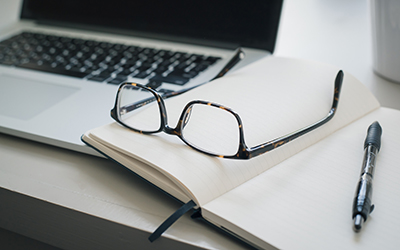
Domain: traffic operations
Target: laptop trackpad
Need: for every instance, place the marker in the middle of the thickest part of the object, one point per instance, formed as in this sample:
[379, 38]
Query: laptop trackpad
[23, 98]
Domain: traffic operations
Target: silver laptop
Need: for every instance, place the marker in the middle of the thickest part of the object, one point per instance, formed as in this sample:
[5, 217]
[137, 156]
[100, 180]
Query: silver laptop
[62, 62]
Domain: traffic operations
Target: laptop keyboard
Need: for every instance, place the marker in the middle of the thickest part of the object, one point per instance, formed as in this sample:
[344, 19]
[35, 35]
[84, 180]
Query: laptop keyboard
[101, 61]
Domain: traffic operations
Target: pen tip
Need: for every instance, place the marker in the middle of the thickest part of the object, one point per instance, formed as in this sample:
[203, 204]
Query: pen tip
[358, 222]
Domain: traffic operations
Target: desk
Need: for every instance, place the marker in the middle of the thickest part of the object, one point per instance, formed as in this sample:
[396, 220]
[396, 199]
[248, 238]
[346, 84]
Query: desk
[77, 201]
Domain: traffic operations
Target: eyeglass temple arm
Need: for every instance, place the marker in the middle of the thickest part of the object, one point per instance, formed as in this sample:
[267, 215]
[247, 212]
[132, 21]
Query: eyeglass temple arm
[273, 144]
[141, 103]
[237, 57]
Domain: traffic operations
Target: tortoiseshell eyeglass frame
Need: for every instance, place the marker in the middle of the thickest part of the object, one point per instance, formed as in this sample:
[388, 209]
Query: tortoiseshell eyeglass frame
[243, 152]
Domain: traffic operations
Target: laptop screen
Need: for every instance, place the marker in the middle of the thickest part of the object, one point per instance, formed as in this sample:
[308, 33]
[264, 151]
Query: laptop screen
[223, 23]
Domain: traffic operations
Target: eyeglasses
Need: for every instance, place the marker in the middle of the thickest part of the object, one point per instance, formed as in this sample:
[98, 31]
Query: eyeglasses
[206, 127]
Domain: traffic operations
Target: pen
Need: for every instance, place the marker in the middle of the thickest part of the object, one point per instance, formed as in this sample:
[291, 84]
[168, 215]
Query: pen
[362, 201]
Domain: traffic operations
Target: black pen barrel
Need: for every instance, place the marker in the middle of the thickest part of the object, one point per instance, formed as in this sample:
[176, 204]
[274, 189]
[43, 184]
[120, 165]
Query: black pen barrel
[362, 200]
[374, 136]
[362, 205]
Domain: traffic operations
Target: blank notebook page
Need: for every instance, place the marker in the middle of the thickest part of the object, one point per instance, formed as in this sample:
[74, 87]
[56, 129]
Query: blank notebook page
[306, 201]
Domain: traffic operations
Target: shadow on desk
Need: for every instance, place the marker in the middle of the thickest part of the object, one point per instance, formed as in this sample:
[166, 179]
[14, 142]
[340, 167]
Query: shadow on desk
[14, 241]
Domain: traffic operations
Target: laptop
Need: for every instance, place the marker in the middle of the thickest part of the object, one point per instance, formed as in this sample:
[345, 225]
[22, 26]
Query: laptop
[62, 61]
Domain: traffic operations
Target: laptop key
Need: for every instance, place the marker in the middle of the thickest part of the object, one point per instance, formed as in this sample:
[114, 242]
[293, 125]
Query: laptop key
[117, 80]
[6, 62]
[164, 91]
[98, 78]
[170, 79]
[142, 74]
[154, 84]
[211, 59]
[49, 69]
[200, 67]
[187, 75]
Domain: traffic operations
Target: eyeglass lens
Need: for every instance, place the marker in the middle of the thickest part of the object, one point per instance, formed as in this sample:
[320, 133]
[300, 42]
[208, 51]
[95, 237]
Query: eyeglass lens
[205, 127]
[211, 129]
[145, 117]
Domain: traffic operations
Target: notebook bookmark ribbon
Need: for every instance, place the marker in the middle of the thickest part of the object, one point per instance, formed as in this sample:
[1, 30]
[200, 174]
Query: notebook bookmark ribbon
[171, 220]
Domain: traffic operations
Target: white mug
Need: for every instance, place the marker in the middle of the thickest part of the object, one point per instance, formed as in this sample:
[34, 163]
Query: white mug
[385, 22]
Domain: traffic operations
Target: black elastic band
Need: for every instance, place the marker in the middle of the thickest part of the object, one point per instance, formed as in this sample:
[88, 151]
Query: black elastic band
[168, 222]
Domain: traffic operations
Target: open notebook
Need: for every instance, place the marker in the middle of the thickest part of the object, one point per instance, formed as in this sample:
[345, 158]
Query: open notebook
[298, 196]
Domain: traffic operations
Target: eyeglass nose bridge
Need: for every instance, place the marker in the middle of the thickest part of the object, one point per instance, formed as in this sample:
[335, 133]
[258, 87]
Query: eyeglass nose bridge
[182, 122]
[186, 118]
